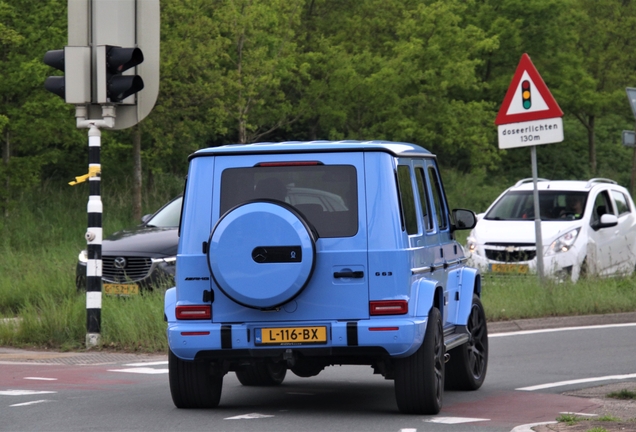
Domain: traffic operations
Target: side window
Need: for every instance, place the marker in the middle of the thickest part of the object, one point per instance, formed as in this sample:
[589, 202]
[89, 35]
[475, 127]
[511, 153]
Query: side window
[438, 199]
[602, 205]
[621, 203]
[427, 223]
[407, 198]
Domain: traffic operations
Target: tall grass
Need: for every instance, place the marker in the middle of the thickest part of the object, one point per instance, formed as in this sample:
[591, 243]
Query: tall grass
[39, 244]
[41, 238]
[509, 297]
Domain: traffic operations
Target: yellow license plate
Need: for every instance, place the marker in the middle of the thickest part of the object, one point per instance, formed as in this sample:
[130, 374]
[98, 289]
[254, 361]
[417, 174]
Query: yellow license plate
[291, 335]
[121, 289]
[509, 268]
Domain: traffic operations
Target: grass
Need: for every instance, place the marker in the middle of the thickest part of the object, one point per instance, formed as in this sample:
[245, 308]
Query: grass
[507, 298]
[40, 240]
[622, 394]
[572, 419]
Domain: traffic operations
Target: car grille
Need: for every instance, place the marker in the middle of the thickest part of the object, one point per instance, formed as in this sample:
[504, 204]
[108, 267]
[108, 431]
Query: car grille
[136, 268]
[510, 252]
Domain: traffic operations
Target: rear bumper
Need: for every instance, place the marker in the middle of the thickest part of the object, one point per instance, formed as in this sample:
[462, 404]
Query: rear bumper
[395, 337]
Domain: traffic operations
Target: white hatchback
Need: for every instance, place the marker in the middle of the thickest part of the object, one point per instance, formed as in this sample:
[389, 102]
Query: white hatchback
[587, 228]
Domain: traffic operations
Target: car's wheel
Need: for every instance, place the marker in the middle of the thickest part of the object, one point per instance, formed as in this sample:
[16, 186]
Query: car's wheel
[192, 384]
[262, 254]
[262, 374]
[583, 271]
[468, 363]
[419, 378]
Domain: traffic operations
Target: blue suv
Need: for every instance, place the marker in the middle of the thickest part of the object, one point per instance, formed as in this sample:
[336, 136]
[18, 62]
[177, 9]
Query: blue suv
[296, 256]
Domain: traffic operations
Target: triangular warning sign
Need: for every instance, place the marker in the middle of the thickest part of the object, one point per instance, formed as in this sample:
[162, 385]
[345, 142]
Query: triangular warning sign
[528, 98]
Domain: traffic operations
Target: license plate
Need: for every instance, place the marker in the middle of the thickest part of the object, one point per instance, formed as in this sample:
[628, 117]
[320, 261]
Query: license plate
[291, 335]
[121, 289]
[509, 268]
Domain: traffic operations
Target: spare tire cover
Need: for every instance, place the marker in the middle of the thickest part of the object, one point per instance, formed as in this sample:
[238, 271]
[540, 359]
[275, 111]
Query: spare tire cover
[261, 254]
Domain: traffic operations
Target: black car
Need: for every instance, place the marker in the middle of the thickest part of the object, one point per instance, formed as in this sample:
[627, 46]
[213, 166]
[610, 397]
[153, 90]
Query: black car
[139, 258]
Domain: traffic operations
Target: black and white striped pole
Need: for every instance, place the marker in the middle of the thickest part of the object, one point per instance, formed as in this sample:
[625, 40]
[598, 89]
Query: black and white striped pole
[94, 230]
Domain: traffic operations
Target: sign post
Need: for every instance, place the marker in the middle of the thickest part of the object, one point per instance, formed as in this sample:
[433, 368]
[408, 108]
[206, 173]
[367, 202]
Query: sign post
[111, 67]
[529, 116]
[629, 137]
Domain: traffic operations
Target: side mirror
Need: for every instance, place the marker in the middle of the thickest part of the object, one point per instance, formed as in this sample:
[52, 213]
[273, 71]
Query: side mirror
[145, 218]
[606, 221]
[463, 219]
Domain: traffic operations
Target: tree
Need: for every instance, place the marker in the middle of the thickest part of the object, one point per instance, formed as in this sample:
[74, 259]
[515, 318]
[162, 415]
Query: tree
[37, 128]
[600, 66]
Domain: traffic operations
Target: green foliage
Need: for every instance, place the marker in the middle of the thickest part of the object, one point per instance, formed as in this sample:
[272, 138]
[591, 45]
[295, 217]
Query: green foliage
[622, 394]
[569, 419]
[431, 72]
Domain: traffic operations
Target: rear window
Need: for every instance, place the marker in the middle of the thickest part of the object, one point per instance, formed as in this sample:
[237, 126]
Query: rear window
[327, 195]
[553, 205]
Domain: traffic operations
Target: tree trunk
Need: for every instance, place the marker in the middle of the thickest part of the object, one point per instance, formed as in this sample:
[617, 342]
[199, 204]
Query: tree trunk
[591, 146]
[137, 176]
[6, 155]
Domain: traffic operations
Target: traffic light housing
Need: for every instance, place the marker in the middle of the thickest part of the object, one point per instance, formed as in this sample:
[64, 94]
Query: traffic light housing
[74, 87]
[526, 99]
[113, 86]
[55, 84]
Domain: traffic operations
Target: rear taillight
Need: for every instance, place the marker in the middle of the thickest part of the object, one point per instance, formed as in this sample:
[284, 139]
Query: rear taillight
[194, 312]
[388, 307]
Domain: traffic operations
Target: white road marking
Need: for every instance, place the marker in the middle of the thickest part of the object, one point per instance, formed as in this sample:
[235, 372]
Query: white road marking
[408, 430]
[23, 392]
[453, 420]
[577, 381]
[30, 403]
[41, 378]
[157, 363]
[528, 427]
[249, 416]
[579, 414]
[528, 332]
[141, 370]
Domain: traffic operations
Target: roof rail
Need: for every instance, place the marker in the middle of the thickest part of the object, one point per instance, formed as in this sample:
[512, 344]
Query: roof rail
[599, 180]
[528, 180]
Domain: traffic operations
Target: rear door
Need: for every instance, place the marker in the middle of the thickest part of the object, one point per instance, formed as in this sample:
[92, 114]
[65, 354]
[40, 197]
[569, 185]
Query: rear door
[449, 252]
[324, 189]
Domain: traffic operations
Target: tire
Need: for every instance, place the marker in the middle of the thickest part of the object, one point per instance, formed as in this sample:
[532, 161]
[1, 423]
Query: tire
[262, 254]
[192, 385]
[584, 272]
[419, 378]
[466, 369]
[262, 374]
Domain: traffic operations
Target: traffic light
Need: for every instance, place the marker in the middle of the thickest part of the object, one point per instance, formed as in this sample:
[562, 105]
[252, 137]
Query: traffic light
[55, 84]
[117, 61]
[525, 94]
[74, 87]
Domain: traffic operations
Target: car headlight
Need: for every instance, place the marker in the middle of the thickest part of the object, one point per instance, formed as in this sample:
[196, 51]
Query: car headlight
[471, 245]
[563, 243]
[166, 262]
[83, 256]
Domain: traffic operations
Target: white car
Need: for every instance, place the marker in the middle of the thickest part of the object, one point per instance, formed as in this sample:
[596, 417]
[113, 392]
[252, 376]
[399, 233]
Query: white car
[598, 238]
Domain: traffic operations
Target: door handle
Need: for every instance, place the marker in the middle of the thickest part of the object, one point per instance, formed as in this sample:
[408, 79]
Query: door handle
[349, 274]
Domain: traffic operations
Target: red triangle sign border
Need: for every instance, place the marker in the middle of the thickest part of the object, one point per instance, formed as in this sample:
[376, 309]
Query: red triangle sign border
[553, 111]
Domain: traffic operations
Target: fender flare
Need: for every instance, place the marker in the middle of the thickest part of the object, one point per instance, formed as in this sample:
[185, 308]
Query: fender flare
[469, 284]
[170, 302]
[426, 291]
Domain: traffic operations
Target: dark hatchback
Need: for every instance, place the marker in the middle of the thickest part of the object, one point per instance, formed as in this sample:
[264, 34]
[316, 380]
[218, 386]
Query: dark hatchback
[139, 258]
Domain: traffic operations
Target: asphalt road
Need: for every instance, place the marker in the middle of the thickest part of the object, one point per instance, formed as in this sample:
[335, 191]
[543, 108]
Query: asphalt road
[531, 365]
